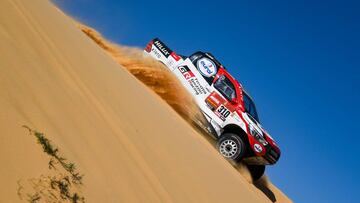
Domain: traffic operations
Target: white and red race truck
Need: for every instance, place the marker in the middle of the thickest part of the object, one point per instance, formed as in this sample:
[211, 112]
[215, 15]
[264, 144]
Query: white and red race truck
[228, 108]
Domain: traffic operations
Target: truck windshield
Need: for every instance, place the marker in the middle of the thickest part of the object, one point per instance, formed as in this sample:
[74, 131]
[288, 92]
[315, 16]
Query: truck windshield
[250, 106]
[225, 87]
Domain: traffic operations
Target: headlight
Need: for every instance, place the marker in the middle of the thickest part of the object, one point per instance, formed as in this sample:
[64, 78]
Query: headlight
[257, 135]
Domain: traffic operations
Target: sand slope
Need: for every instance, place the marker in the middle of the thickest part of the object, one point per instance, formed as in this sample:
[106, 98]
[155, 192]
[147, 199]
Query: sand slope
[131, 146]
[157, 77]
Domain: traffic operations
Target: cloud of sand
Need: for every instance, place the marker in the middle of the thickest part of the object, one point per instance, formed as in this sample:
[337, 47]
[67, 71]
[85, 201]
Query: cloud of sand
[153, 74]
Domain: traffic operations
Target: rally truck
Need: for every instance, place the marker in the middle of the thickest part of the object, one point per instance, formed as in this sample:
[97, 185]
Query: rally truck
[230, 111]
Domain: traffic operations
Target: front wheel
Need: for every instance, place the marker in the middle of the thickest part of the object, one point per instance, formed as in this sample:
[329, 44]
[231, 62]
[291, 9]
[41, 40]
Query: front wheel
[256, 171]
[231, 146]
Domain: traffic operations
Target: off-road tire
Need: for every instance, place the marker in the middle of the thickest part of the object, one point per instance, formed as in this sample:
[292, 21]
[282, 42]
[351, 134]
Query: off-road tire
[231, 146]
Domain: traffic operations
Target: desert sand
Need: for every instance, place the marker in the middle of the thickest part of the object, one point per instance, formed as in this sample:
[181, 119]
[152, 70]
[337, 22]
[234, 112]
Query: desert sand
[129, 143]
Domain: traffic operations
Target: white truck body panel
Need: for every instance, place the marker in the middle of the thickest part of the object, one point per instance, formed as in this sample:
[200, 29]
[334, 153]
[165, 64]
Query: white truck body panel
[197, 86]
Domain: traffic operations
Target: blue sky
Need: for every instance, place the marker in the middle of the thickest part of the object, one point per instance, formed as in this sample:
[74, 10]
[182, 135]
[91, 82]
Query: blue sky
[299, 60]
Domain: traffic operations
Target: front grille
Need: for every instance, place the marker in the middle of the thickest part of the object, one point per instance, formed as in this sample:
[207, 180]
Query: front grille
[274, 154]
[271, 155]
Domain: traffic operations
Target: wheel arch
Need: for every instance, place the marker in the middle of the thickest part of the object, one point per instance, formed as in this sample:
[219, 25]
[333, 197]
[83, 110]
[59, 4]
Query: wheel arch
[232, 128]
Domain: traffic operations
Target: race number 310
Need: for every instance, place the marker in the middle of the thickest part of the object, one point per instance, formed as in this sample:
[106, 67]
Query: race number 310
[223, 111]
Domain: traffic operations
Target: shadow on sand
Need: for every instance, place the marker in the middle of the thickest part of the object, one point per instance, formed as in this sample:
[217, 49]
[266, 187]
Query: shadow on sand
[263, 186]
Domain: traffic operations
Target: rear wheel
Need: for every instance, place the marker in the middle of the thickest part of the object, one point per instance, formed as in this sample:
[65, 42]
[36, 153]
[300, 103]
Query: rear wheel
[256, 171]
[231, 146]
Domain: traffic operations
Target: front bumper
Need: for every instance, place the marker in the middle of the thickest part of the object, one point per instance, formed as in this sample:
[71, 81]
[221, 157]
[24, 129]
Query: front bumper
[270, 157]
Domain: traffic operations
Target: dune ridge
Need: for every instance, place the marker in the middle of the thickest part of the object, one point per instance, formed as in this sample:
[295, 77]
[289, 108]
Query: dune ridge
[129, 144]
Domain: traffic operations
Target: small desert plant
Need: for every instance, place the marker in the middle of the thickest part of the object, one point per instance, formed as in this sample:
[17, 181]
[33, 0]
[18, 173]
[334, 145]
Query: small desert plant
[55, 188]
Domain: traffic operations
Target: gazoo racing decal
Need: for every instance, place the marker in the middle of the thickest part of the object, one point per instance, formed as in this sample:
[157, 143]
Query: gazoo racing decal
[192, 80]
[206, 67]
[162, 47]
[222, 112]
[186, 72]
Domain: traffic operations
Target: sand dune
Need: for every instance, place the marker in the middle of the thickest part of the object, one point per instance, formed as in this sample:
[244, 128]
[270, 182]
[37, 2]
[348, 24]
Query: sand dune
[157, 77]
[130, 145]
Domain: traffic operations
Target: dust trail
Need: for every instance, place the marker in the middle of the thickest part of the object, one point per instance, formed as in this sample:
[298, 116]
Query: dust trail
[157, 77]
[153, 74]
